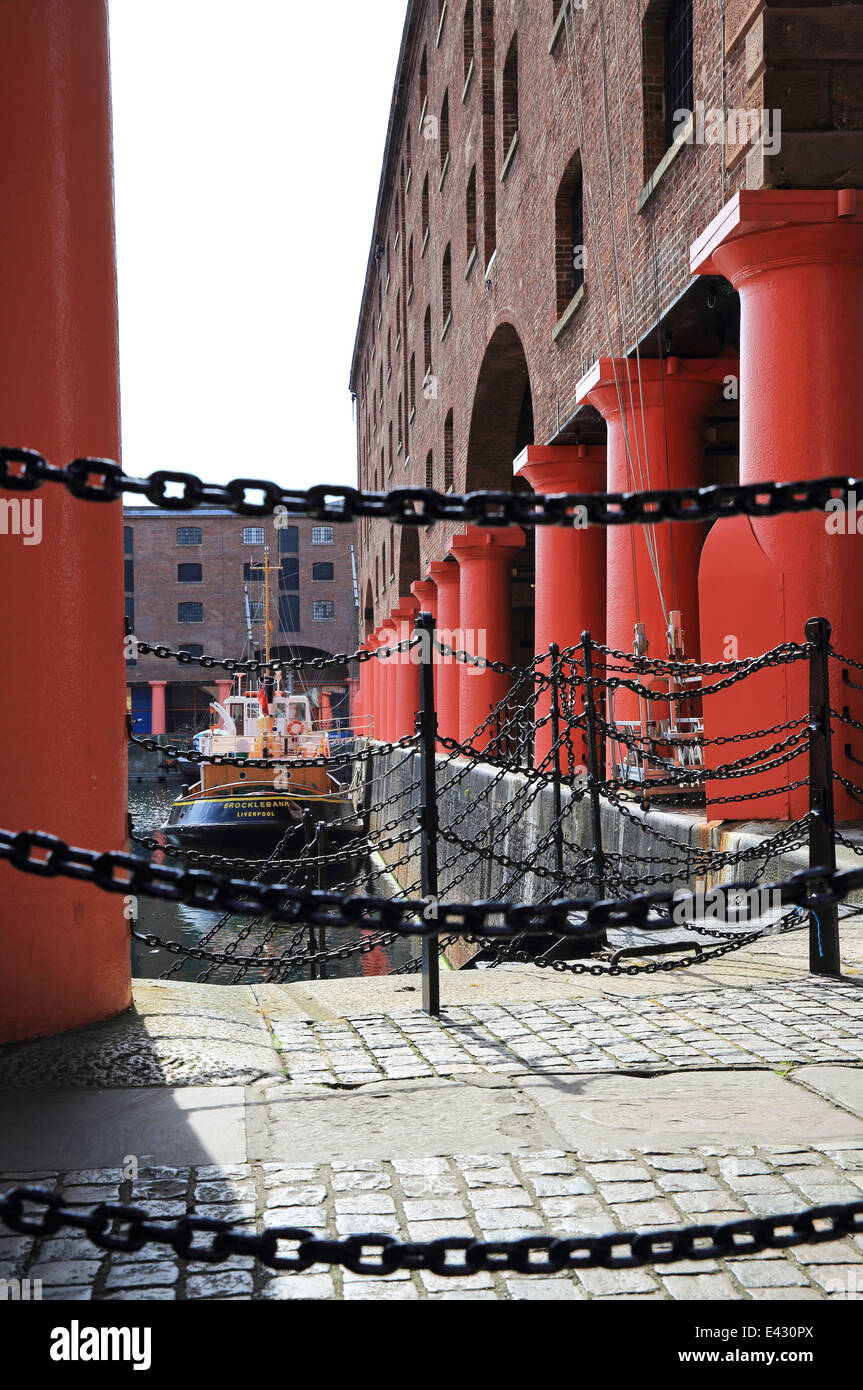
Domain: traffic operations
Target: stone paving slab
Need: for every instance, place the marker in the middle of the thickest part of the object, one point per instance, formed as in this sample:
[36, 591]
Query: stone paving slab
[95, 1129]
[174, 1035]
[493, 1196]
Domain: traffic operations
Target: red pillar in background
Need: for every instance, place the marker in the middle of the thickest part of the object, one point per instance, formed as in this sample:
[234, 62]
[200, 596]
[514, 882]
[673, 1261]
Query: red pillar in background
[372, 708]
[655, 414]
[386, 679]
[425, 593]
[570, 565]
[406, 669]
[326, 715]
[796, 260]
[446, 579]
[485, 560]
[157, 707]
[223, 690]
[65, 943]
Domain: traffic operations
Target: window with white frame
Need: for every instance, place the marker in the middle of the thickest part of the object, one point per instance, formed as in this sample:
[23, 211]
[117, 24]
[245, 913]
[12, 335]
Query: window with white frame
[323, 610]
[322, 535]
[253, 535]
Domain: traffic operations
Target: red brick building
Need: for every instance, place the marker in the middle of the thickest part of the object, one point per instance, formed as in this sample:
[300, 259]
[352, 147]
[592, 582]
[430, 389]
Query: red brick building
[187, 576]
[550, 270]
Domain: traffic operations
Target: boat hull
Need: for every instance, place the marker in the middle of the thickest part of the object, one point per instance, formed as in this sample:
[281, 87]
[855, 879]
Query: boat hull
[252, 822]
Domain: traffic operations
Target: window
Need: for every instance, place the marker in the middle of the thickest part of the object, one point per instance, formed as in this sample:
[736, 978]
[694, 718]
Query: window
[425, 209]
[468, 38]
[448, 453]
[444, 131]
[323, 610]
[446, 286]
[510, 96]
[189, 535]
[323, 570]
[289, 575]
[193, 649]
[678, 64]
[289, 612]
[128, 575]
[412, 382]
[410, 265]
[429, 469]
[189, 574]
[130, 613]
[253, 535]
[322, 535]
[424, 79]
[253, 574]
[569, 235]
[289, 540]
[408, 148]
[128, 540]
[470, 214]
[190, 612]
[427, 340]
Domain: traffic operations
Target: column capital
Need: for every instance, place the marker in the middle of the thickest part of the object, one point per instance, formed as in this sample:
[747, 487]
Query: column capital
[480, 544]
[562, 467]
[762, 229]
[623, 385]
[406, 609]
[443, 572]
[162, 683]
[424, 591]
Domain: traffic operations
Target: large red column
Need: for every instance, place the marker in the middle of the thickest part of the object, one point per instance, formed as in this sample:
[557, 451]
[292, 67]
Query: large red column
[372, 708]
[570, 565]
[65, 944]
[425, 593]
[386, 681]
[655, 414]
[446, 579]
[796, 260]
[406, 669]
[485, 560]
[157, 707]
[223, 690]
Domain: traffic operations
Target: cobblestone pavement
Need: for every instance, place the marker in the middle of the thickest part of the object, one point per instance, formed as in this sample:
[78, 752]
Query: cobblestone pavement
[790, 1021]
[490, 1196]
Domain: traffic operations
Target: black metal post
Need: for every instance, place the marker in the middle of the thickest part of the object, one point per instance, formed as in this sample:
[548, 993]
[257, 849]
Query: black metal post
[593, 778]
[427, 730]
[311, 880]
[554, 656]
[322, 842]
[824, 956]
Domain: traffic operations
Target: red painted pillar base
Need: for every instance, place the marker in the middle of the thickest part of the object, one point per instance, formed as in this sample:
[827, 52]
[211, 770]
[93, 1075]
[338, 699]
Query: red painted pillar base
[485, 560]
[796, 260]
[655, 415]
[65, 944]
[446, 578]
[570, 569]
[406, 670]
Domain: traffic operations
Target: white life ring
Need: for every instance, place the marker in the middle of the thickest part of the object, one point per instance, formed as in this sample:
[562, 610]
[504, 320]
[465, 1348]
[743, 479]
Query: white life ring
[296, 727]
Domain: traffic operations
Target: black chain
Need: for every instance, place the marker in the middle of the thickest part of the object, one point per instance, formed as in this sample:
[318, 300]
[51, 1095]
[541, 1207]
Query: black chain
[103, 480]
[117, 1227]
[255, 667]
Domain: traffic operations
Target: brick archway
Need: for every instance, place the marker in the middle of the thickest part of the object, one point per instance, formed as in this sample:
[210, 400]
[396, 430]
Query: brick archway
[502, 416]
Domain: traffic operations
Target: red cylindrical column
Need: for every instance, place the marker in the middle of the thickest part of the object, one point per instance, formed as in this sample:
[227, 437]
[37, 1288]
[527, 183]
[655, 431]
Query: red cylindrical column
[65, 944]
[655, 414]
[223, 690]
[157, 707]
[425, 593]
[570, 565]
[796, 260]
[406, 669]
[485, 560]
[446, 579]
[371, 712]
[386, 677]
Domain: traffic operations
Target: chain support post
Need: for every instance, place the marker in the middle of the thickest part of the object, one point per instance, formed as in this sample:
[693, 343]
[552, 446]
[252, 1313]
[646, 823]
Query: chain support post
[587, 648]
[311, 880]
[427, 730]
[322, 845]
[824, 955]
[554, 662]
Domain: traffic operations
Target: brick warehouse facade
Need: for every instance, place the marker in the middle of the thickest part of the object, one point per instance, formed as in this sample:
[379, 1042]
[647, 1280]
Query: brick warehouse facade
[185, 578]
[520, 132]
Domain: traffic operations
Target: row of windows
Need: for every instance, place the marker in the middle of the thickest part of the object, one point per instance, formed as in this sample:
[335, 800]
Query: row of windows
[323, 610]
[252, 535]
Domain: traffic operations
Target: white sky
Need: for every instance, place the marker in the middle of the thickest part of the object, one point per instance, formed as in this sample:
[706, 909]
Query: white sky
[247, 149]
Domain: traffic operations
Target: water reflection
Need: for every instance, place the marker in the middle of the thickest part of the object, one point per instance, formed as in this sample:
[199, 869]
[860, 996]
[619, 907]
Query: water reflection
[236, 936]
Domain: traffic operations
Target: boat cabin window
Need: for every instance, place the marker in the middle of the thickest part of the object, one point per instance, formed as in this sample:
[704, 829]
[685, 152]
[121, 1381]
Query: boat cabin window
[235, 710]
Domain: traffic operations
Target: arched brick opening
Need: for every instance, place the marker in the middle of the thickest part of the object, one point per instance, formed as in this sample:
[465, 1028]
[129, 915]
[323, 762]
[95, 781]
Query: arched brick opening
[409, 560]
